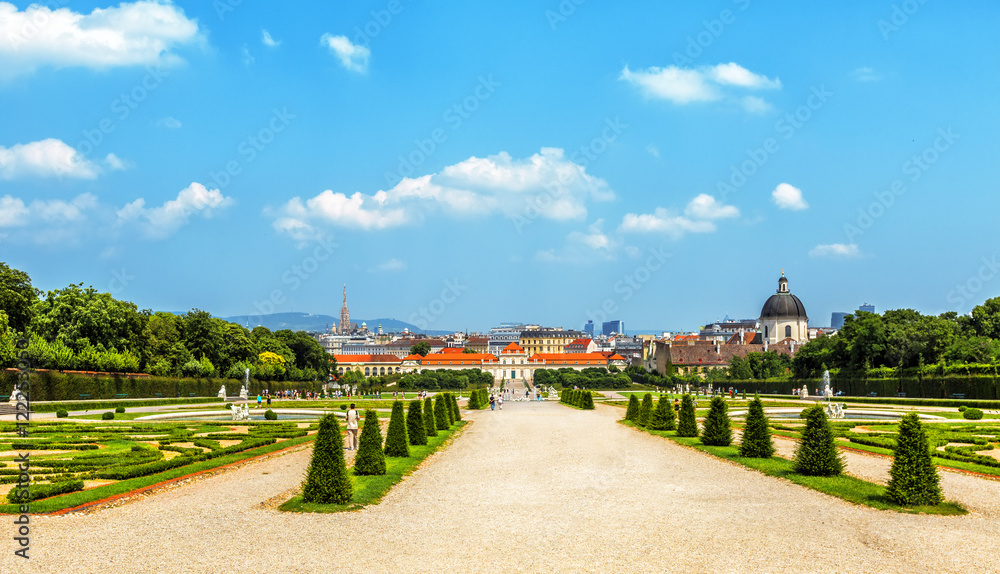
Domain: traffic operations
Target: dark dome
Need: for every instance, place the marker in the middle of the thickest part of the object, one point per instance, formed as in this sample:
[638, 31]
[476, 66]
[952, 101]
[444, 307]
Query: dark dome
[783, 305]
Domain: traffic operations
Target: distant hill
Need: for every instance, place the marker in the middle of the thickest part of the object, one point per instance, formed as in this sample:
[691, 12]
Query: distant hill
[318, 323]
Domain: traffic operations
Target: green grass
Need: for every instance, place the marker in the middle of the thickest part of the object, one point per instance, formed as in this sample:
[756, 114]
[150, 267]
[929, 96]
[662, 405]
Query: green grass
[370, 489]
[846, 487]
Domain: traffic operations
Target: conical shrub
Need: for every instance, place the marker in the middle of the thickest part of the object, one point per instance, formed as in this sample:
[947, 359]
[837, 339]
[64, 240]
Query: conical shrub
[645, 409]
[816, 454]
[913, 478]
[716, 430]
[449, 414]
[327, 481]
[370, 460]
[632, 412]
[415, 430]
[658, 418]
[671, 415]
[441, 413]
[395, 436]
[756, 441]
[455, 409]
[588, 401]
[430, 423]
[474, 404]
[687, 424]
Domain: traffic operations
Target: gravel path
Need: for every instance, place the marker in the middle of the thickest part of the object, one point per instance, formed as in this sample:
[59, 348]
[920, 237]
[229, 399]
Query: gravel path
[537, 487]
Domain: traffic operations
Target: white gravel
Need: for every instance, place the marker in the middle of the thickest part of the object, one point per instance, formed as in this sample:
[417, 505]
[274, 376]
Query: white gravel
[537, 487]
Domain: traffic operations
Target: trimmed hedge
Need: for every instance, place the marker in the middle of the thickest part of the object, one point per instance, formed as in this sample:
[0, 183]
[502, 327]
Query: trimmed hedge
[39, 491]
[101, 405]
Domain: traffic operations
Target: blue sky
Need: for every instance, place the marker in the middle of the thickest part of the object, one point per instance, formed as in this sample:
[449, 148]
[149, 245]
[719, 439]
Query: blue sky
[462, 165]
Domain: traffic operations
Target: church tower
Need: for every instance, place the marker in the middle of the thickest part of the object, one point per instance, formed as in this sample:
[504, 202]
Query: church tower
[345, 316]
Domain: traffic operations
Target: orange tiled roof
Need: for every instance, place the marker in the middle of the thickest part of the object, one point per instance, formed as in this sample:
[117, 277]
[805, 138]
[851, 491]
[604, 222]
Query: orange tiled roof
[595, 359]
[452, 350]
[345, 359]
[413, 357]
[458, 359]
[580, 342]
[513, 348]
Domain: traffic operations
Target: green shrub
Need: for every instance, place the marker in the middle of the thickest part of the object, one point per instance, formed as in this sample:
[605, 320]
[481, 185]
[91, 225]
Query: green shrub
[40, 491]
[645, 409]
[632, 412]
[913, 478]
[395, 437]
[343, 407]
[62, 413]
[454, 408]
[370, 459]
[120, 410]
[430, 423]
[658, 418]
[270, 415]
[415, 430]
[588, 401]
[687, 424]
[716, 430]
[326, 480]
[474, 403]
[816, 454]
[756, 441]
[108, 416]
[962, 408]
[440, 413]
[448, 412]
[973, 414]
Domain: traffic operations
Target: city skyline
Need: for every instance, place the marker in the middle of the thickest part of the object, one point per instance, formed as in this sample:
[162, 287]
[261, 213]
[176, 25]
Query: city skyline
[465, 166]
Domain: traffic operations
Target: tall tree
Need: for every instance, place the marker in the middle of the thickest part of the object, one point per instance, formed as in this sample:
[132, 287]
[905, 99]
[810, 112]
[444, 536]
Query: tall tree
[17, 297]
[422, 348]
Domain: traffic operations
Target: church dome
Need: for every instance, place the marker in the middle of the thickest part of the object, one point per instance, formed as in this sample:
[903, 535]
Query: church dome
[783, 305]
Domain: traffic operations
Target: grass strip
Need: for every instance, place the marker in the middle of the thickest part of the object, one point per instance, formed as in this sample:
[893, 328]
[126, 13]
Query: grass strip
[371, 489]
[52, 407]
[126, 486]
[849, 488]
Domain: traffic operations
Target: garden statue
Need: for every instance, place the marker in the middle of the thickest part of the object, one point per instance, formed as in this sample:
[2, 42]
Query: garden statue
[243, 393]
[835, 410]
[16, 396]
[222, 392]
[805, 392]
[241, 413]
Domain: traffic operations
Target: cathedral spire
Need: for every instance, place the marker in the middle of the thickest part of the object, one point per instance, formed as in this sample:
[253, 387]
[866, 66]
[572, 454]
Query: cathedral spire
[345, 316]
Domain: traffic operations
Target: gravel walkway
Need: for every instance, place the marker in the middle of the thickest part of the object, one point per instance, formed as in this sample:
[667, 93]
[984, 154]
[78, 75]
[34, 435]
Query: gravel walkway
[537, 487]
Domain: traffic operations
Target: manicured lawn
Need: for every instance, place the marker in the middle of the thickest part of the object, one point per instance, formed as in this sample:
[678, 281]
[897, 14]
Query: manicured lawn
[371, 489]
[846, 487]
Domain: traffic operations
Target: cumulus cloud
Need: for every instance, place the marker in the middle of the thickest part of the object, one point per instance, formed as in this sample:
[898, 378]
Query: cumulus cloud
[165, 220]
[268, 41]
[705, 84]
[836, 251]
[787, 196]
[130, 34]
[45, 158]
[47, 221]
[545, 185]
[391, 266]
[864, 74]
[698, 217]
[351, 56]
[169, 122]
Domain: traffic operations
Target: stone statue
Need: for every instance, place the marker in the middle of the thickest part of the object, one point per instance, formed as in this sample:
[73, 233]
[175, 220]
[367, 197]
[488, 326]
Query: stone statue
[805, 392]
[835, 410]
[222, 392]
[243, 393]
[16, 396]
[241, 413]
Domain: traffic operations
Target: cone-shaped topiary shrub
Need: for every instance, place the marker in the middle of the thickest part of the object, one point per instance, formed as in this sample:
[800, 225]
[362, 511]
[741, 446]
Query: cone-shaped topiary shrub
[440, 413]
[687, 424]
[756, 441]
[430, 423]
[632, 412]
[370, 459]
[449, 410]
[588, 401]
[415, 430]
[474, 404]
[395, 437]
[457, 412]
[326, 480]
[716, 430]
[658, 418]
[816, 454]
[645, 409]
[913, 478]
[671, 415]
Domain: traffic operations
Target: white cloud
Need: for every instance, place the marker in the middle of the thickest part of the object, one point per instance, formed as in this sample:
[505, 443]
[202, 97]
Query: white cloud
[246, 57]
[698, 217]
[13, 213]
[653, 150]
[116, 163]
[351, 56]
[51, 221]
[268, 41]
[391, 266]
[169, 122]
[787, 196]
[865, 74]
[545, 185]
[130, 34]
[45, 158]
[584, 247]
[163, 221]
[705, 84]
[836, 251]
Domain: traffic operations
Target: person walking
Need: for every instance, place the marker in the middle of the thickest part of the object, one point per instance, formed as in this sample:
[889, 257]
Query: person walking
[352, 428]
[500, 403]
[493, 402]
[269, 400]
[258, 400]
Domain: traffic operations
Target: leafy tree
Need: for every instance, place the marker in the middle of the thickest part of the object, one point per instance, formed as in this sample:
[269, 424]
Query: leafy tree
[441, 413]
[817, 454]
[8, 343]
[756, 441]
[913, 478]
[204, 334]
[422, 348]
[739, 369]
[632, 412]
[17, 297]
[370, 460]
[468, 351]
[658, 419]
[79, 317]
[986, 318]
[416, 431]
[716, 430]
[395, 437]
[687, 423]
[645, 409]
[430, 417]
[326, 480]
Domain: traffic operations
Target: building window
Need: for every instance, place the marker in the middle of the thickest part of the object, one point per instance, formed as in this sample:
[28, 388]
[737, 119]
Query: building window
[765, 331]
[367, 373]
[382, 371]
[788, 331]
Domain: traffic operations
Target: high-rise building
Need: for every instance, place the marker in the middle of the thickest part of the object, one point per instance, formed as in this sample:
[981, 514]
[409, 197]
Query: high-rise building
[867, 308]
[837, 319]
[613, 327]
[345, 316]
[589, 329]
